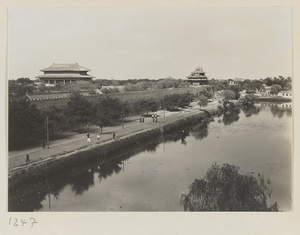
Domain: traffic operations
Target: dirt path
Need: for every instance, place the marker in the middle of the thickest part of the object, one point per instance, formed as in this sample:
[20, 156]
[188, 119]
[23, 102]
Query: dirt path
[79, 141]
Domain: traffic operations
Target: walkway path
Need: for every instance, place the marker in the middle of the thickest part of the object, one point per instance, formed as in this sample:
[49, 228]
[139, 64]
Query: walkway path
[79, 141]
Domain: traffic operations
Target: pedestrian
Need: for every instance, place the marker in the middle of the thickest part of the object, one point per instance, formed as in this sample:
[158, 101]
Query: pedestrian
[27, 158]
[98, 137]
[88, 138]
[114, 135]
[43, 144]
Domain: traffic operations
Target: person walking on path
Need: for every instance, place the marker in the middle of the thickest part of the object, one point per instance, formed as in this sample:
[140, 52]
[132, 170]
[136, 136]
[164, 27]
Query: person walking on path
[114, 135]
[88, 138]
[27, 158]
[98, 137]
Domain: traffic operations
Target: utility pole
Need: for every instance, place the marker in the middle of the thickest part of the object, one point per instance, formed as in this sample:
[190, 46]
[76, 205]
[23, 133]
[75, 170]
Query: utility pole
[47, 122]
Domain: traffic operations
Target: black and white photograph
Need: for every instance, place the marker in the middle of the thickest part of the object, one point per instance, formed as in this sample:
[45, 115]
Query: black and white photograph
[149, 109]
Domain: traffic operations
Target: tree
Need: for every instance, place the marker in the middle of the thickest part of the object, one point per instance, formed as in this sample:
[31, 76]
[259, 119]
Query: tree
[25, 123]
[78, 86]
[216, 84]
[275, 89]
[228, 95]
[146, 105]
[57, 119]
[79, 110]
[108, 111]
[225, 189]
[202, 100]
[20, 87]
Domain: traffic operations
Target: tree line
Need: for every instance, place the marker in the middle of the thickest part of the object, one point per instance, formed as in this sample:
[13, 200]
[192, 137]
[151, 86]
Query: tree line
[28, 124]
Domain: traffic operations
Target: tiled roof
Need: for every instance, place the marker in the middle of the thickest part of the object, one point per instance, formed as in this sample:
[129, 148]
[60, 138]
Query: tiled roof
[286, 92]
[199, 69]
[65, 67]
[64, 76]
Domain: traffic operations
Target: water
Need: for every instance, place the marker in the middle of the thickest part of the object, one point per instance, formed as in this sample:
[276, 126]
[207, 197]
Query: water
[257, 140]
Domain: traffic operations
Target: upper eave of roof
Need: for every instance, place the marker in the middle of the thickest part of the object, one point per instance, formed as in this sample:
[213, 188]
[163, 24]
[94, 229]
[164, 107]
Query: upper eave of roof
[65, 67]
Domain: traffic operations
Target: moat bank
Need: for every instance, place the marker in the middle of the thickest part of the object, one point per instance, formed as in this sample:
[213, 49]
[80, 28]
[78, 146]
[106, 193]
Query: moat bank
[60, 162]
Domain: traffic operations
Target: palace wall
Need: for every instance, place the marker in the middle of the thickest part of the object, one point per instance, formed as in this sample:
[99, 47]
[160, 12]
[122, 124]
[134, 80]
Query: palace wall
[45, 103]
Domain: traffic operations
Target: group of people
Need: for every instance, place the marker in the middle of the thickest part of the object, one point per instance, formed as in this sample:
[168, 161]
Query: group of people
[89, 140]
[154, 117]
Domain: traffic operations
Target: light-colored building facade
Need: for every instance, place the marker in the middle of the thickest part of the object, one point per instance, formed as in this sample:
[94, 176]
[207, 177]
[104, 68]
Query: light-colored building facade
[234, 82]
[286, 94]
[198, 77]
[64, 73]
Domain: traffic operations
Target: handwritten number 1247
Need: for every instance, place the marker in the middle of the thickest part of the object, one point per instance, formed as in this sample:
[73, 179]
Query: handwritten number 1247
[22, 222]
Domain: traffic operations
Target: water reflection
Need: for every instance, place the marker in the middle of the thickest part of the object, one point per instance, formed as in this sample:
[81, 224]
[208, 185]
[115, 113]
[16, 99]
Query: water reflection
[231, 114]
[79, 178]
[250, 109]
[200, 131]
[278, 110]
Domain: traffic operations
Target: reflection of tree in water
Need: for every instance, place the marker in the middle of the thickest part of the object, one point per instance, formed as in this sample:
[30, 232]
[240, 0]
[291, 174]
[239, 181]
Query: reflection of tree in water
[278, 110]
[250, 109]
[151, 147]
[224, 189]
[81, 182]
[180, 135]
[200, 131]
[230, 115]
[108, 169]
[32, 202]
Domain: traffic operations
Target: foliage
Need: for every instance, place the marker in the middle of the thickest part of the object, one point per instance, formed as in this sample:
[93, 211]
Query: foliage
[207, 94]
[19, 88]
[202, 100]
[57, 119]
[146, 105]
[25, 123]
[225, 189]
[177, 100]
[228, 95]
[236, 91]
[79, 110]
[275, 89]
[216, 84]
[107, 91]
[78, 86]
[146, 84]
[108, 111]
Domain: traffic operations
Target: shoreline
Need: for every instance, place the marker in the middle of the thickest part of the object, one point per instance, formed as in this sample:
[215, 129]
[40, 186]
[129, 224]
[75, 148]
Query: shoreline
[124, 144]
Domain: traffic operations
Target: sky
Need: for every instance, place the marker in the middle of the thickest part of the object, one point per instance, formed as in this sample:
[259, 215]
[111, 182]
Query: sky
[136, 43]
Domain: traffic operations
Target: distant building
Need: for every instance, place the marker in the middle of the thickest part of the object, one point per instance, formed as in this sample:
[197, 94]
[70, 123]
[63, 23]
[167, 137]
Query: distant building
[198, 77]
[64, 73]
[234, 82]
[287, 94]
[266, 90]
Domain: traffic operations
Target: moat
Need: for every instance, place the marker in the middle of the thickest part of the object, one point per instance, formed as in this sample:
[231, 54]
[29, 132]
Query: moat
[258, 139]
